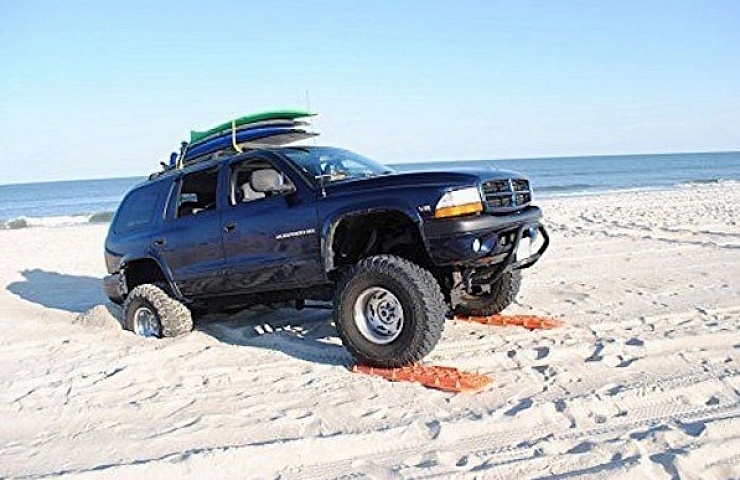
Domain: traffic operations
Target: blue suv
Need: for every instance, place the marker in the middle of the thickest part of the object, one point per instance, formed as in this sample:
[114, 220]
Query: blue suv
[394, 252]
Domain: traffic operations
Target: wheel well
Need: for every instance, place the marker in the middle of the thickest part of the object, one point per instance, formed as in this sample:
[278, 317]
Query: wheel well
[139, 272]
[367, 234]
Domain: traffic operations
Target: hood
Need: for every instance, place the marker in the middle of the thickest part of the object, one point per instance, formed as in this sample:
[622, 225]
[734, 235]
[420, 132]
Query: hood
[466, 177]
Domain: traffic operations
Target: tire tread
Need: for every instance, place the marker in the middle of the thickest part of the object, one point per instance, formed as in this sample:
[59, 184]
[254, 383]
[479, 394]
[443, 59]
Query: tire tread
[175, 317]
[429, 298]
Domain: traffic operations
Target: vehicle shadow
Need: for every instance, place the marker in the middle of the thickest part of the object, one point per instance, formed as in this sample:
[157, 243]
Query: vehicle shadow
[306, 335]
[73, 293]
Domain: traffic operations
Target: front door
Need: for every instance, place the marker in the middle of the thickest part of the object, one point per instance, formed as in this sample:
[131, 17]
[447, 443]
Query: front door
[271, 241]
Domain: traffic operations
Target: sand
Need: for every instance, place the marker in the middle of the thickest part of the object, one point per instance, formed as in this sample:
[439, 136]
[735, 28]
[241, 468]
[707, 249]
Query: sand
[641, 382]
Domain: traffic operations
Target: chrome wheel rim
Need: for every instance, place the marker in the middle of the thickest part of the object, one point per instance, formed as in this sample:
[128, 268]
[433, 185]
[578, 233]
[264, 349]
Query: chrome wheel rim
[378, 315]
[146, 323]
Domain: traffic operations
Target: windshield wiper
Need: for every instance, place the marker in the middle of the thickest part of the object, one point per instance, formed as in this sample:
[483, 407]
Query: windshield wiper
[299, 148]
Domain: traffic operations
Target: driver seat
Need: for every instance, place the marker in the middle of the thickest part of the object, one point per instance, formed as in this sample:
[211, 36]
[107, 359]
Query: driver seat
[248, 193]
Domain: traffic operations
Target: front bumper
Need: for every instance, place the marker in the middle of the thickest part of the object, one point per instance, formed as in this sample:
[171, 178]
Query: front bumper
[485, 240]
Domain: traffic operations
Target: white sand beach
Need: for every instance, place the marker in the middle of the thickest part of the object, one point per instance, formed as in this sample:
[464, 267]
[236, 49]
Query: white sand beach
[641, 381]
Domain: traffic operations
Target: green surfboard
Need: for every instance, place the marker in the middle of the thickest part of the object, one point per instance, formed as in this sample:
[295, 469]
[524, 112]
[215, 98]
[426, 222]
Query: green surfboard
[196, 136]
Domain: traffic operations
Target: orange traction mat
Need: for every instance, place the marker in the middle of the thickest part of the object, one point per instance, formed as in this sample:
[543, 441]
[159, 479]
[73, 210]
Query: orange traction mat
[447, 379]
[531, 322]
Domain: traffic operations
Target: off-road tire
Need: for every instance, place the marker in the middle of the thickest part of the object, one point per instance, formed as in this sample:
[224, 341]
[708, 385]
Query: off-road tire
[174, 317]
[503, 293]
[421, 300]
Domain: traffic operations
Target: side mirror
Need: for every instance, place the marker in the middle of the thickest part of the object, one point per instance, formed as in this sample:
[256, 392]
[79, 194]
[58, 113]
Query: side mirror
[270, 181]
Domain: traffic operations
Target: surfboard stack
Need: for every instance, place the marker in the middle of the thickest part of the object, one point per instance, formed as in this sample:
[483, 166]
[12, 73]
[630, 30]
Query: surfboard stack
[258, 130]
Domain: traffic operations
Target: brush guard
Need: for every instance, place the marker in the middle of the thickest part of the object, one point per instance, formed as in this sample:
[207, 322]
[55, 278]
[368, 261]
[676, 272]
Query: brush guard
[510, 262]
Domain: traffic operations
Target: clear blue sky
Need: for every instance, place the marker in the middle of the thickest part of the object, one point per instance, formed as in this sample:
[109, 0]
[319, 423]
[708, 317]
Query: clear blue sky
[92, 89]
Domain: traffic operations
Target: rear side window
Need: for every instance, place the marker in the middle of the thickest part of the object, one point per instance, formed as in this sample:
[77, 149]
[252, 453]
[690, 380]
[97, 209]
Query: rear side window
[197, 193]
[136, 211]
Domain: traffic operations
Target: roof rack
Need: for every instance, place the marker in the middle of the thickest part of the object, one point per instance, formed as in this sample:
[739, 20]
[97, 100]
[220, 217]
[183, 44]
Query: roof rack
[251, 132]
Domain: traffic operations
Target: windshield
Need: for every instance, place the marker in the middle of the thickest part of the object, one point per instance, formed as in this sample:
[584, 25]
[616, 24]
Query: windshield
[333, 164]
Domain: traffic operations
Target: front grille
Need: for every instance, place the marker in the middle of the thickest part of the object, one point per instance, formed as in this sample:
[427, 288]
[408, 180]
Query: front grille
[503, 196]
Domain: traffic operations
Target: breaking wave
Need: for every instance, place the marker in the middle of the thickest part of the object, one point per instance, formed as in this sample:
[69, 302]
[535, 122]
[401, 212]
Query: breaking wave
[708, 181]
[56, 221]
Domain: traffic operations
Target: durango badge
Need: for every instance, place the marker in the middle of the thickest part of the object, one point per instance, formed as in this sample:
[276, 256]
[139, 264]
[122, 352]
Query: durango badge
[297, 233]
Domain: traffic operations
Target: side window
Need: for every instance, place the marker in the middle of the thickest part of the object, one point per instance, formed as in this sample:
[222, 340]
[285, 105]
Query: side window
[136, 211]
[250, 180]
[197, 193]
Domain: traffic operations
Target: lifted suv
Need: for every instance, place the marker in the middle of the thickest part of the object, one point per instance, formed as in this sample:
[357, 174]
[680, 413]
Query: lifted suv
[395, 252]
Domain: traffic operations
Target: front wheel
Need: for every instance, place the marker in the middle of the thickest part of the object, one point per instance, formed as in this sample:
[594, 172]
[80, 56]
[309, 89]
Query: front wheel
[502, 294]
[388, 311]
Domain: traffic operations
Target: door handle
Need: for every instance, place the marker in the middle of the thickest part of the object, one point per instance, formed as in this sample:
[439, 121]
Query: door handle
[159, 241]
[230, 227]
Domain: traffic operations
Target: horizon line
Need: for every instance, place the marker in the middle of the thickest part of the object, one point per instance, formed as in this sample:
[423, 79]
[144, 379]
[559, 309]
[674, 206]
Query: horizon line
[411, 162]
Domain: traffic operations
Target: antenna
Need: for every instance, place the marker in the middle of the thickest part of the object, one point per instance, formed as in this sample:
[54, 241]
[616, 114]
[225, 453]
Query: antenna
[310, 120]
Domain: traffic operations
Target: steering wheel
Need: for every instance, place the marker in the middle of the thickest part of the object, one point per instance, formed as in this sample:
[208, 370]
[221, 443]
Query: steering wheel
[334, 168]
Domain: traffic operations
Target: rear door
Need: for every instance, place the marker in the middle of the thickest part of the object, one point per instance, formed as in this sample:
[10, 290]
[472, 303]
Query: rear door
[271, 242]
[190, 239]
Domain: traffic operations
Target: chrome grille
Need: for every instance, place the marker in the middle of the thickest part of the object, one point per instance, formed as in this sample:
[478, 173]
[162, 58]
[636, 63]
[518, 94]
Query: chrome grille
[506, 195]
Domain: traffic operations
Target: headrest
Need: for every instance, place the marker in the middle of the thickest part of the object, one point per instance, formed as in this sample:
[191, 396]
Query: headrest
[263, 180]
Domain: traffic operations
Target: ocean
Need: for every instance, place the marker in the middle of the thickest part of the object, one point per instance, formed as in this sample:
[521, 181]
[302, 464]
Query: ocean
[58, 204]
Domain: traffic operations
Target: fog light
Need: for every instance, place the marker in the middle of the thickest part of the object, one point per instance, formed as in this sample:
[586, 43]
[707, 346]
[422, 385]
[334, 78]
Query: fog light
[476, 245]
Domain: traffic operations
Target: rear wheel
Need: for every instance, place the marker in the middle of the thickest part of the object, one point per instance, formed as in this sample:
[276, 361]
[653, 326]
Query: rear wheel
[502, 294]
[388, 311]
[149, 312]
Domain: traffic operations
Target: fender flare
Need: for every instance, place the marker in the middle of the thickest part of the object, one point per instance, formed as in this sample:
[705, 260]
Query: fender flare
[162, 265]
[333, 220]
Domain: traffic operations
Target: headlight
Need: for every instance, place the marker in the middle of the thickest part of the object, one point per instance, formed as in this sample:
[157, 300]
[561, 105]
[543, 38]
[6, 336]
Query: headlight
[465, 201]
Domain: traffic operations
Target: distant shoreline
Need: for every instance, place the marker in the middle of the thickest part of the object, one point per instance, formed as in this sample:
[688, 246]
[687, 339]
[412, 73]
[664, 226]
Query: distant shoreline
[83, 201]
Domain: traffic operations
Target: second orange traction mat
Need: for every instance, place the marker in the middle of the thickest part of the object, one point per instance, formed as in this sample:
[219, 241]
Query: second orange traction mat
[450, 379]
[441, 378]
[532, 322]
